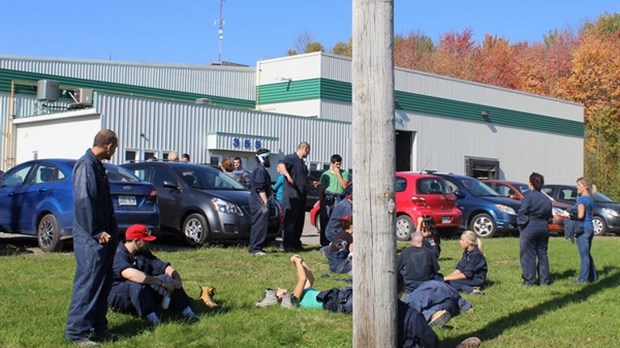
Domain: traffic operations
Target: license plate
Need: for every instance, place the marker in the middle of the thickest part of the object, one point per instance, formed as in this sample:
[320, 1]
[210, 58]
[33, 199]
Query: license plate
[445, 219]
[126, 200]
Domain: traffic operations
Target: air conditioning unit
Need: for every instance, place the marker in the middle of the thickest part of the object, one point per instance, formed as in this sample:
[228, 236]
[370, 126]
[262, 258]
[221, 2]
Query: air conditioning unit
[84, 96]
[48, 90]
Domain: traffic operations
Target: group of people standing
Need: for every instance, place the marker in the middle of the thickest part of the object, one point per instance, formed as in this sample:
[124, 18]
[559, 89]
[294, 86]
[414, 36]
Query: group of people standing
[533, 218]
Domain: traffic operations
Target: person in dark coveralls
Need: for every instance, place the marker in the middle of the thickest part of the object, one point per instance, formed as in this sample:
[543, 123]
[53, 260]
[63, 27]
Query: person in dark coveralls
[142, 281]
[533, 219]
[295, 171]
[471, 271]
[95, 238]
[417, 264]
[260, 197]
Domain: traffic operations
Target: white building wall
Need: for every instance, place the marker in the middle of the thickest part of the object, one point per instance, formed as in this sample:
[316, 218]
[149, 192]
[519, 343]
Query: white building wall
[183, 127]
[307, 108]
[226, 81]
[442, 144]
[295, 68]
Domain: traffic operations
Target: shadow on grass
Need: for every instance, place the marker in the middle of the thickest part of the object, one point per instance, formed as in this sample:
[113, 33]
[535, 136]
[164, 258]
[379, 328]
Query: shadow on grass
[571, 273]
[611, 279]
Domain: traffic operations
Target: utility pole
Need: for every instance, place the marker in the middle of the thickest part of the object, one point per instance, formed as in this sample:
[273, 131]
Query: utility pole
[220, 32]
[373, 131]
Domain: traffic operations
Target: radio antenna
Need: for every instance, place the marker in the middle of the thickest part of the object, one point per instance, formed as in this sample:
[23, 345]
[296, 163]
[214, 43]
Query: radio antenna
[220, 32]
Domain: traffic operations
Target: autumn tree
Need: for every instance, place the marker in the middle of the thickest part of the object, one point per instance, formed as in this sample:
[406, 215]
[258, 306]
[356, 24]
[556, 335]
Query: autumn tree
[305, 43]
[343, 48]
[595, 82]
[413, 51]
[454, 55]
[494, 63]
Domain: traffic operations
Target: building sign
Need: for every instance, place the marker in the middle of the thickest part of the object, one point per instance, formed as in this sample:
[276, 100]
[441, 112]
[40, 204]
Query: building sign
[247, 143]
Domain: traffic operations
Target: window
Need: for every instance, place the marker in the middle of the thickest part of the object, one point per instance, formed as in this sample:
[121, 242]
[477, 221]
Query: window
[47, 174]
[150, 155]
[130, 156]
[400, 185]
[160, 175]
[16, 178]
[431, 186]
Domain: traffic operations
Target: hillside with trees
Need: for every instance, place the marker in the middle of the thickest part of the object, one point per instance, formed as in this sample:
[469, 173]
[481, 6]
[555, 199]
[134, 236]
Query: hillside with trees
[582, 67]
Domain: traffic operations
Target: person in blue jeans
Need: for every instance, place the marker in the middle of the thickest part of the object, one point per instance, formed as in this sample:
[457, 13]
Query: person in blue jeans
[533, 219]
[587, 272]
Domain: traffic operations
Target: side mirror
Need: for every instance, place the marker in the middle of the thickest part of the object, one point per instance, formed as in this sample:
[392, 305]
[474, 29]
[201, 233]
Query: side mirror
[170, 184]
[459, 194]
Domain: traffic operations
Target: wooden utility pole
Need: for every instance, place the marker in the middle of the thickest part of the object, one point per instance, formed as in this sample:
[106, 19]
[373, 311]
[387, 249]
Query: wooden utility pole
[374, 279]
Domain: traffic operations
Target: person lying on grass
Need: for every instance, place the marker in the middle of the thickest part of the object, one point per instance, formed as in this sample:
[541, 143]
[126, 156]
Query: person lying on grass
[303, 296]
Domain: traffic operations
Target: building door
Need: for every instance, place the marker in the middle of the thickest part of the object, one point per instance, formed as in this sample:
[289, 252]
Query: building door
[404, 145]
[481, 168]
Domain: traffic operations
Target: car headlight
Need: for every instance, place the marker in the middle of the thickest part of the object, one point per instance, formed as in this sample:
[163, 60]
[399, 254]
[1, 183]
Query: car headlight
[610, 212]
[506, 209]
[558, 212]
[223, 206]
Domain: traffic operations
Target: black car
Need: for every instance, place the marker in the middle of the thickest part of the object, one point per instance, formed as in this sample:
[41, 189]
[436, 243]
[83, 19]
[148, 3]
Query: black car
[201, 202]
[605, 212]
[312, 188]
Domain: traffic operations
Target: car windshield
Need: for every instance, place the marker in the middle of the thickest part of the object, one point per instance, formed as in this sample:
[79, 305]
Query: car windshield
[477, 188]
[599, 197]
[204, 177]
[119, 174]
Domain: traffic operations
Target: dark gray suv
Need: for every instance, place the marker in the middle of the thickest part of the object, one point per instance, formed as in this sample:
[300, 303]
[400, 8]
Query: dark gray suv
[201, 202]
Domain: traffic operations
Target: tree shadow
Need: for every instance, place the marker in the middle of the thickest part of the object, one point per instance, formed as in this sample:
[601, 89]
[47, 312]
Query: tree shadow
[495, 328]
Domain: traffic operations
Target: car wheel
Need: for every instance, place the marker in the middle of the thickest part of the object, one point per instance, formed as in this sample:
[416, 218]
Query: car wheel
[404, 228]
[600, 227]
[48, 234]
[483, 224]
[195, 229]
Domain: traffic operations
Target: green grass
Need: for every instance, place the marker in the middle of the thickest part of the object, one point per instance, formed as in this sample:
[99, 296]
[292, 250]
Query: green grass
[35, 290]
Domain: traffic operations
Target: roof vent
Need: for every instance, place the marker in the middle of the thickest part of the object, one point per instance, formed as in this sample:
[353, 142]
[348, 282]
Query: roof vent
[48, 90]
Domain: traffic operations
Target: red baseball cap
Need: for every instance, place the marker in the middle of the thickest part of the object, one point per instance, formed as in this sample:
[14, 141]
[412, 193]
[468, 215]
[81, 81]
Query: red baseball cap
[138, 231]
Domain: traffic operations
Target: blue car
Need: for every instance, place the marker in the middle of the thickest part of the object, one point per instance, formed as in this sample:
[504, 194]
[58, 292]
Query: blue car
[36, 198]
[484, 211]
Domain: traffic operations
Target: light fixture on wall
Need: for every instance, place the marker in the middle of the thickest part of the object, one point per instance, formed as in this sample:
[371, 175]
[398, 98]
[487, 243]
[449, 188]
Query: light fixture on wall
[485, 115]
[284, 79]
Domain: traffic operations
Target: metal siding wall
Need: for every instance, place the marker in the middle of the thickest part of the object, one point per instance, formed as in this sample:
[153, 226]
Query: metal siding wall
[336, 110]
[336, 67]
[297, 68]
[231, 82]
[443, 87]
[184, 128]
[308, 108]
[442, 144]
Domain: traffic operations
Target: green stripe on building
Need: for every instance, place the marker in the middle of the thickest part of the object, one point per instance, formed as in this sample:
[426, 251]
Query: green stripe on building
[341, 91]
[6, 76]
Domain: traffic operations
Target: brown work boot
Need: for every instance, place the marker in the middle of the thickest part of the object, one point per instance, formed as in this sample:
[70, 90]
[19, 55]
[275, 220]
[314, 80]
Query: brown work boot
[206, 296]
[439, 318]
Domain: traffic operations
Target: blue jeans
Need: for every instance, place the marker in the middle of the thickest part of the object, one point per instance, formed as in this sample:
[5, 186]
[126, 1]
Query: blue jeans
[587, 272]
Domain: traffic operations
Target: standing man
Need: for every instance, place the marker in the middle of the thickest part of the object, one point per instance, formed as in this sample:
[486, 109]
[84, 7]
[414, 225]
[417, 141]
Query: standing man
[242, 176]
[260, 195]
[95, 238]
[333, 183]
[294, 169]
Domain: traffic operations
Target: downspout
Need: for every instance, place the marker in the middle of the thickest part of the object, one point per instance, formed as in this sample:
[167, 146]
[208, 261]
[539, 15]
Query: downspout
[9, 157]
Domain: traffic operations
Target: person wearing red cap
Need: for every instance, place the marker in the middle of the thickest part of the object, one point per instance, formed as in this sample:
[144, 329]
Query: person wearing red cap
[142, 281]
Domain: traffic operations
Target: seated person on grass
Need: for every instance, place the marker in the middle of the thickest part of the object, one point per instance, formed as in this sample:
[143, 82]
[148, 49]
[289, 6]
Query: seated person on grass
[417, 264]
[471, 271]
[426, 226]
[304, 295]
[341, 248]
[141, 281]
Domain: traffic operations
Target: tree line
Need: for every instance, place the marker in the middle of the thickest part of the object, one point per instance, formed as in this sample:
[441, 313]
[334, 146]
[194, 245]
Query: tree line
[581, 66]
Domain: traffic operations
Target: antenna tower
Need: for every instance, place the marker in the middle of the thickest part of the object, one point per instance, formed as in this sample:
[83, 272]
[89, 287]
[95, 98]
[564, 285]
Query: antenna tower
[220, 31]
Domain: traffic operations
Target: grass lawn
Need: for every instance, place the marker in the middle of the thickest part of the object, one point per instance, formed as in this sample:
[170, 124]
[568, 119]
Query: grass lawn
[35, 290]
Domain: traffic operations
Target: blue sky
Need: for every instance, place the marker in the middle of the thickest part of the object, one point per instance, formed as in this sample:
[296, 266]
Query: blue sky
[184, 31]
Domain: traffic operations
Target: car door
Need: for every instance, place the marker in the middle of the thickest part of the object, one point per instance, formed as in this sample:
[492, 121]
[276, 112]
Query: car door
[13, 188]
[170, 208]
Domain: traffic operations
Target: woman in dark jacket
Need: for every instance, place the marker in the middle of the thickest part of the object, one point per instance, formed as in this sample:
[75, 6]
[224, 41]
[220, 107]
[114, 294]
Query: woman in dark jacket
[471, 271]
[533, 219]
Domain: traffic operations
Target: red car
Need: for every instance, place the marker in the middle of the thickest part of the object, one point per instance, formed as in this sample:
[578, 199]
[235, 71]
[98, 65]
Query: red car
[515, 190]
[417, 195]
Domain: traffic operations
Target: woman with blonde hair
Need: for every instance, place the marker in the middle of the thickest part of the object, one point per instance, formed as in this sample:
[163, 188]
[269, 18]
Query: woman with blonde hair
[587, 272]
[471, 271]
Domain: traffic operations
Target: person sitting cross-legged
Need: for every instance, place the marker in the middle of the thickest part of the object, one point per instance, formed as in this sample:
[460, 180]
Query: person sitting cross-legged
[141, 281]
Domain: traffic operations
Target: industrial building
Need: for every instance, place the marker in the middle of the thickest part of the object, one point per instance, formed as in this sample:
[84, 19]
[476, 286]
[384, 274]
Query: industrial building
[53, 107]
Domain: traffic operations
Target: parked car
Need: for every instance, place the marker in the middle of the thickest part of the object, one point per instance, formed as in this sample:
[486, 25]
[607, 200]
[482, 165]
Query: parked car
[200, 202]
[36, 198]
[605, 212]
[484, 211]
[417, 195]
[516, 190]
